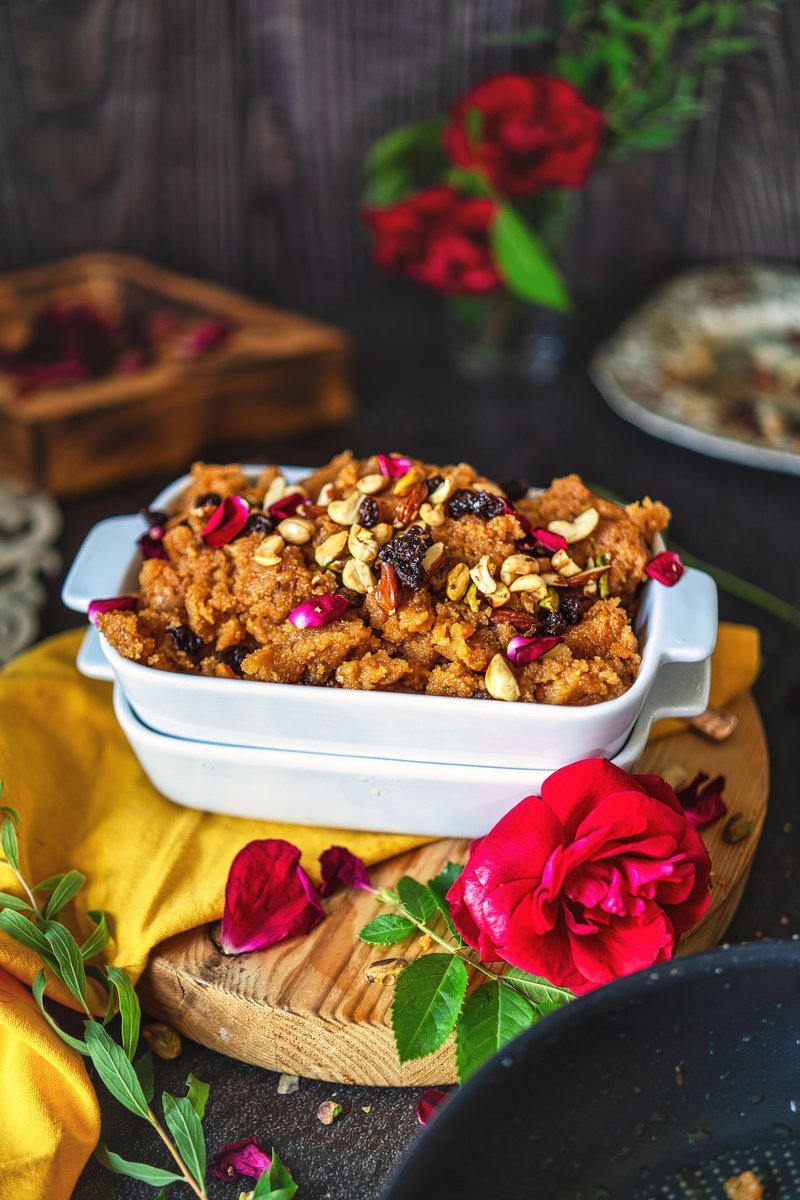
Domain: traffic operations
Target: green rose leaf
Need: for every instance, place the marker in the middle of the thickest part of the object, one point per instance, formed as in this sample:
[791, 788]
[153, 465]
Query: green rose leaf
[401, 160]
[197, 1094]
[439, 886]
[99, 938]
[37, 987]
[15, 902]
[117, 1073]
[414, 896]
[276, 1183]
[129, 1010]
[539, 991]
[8, 839]
[491, 1017]
[68, 956]
[134, 1170]
[525, 263]
[426, 1003]
[144, 1073]
[68, 886]
[386, 930]
[184, 1125]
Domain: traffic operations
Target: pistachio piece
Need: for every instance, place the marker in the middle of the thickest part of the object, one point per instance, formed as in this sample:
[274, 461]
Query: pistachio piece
[481, 575]
[345, 512]
[268, 553]
[457, 581]
[361, 544]
[471, 598]
[432, 515]
[500, 680]
[370, 485]
[329, 550]
[385, 970]
[516, 565]
[296, 530]
[578, 528]
[357, 576]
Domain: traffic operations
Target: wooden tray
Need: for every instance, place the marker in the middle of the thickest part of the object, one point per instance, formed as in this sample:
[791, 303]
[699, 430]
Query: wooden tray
[276, 375]
[305, 1006]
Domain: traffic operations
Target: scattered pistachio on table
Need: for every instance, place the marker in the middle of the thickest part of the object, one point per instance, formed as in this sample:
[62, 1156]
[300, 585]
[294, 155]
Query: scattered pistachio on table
[328, 1111]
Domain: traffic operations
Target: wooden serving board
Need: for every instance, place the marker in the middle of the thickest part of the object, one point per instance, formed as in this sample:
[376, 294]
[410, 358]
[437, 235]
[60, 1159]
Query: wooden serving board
[306, 1007]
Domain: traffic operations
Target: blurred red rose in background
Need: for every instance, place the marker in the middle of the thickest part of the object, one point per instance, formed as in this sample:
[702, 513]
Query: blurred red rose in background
[595, 879]
[437, 238]
[525, 133]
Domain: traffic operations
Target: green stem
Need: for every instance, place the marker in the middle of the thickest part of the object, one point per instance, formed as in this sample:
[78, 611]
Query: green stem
[28, 891]
[198, 1191]
[751, 593]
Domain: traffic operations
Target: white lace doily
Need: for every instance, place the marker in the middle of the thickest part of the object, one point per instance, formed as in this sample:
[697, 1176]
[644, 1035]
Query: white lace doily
[29, 525]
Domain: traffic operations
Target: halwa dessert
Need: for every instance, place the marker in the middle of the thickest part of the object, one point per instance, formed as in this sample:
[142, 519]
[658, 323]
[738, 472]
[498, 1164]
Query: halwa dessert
[389, 574]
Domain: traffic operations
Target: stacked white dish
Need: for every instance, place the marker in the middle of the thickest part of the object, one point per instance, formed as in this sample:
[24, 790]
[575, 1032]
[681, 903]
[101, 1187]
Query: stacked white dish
[400, 763]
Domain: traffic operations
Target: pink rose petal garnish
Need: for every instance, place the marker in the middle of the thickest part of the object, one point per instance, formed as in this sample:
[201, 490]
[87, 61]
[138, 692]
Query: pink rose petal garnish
[429, 1104]
[227, 519]
[240, 1158]
[115, 604]
[208, 337]
[318, 611]
[287, 506]
[550, 541]
[268, 897]
[522, 650]
[393, 465]
[666, 568]
[341, 868]
[703, 805]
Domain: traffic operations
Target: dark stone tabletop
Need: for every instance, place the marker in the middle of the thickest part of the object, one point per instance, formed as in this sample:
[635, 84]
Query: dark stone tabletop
[739, 518]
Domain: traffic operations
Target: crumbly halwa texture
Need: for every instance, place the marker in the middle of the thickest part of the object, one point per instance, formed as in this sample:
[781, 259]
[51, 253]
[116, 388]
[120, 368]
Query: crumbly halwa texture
[220, 612]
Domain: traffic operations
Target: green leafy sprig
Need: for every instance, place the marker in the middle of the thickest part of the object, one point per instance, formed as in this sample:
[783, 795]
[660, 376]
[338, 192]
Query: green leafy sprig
[129, 1079]
[432, 996]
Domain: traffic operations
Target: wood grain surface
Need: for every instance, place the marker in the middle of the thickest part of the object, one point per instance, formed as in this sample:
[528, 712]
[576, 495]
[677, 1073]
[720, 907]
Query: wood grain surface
[306, 1007]
[226, 138]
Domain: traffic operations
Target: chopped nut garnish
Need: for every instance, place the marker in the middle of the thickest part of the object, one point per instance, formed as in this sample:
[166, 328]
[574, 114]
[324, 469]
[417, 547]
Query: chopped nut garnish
[737, 829]
[345, 512]
[432, 514]
[500, 680]
[275, 491]
[296, 530]
[387, 593]
[162, 1040]
[329, 550]
[715, 723]
[675, 774]
[408, 481]
[481, 576]
[501, 595]
[457, 581]
[358, 577]
[443, 492]
[534, 584]
[370, 485]
[362, 544]
[325, 495]
[516, 565]
[367, 1108]
[578, 528]
[384, 970]
[268, 554]
[471, 598]
[433, 557]
[328, 1111]
[288, 1084]
[566, 566]
[412, 504]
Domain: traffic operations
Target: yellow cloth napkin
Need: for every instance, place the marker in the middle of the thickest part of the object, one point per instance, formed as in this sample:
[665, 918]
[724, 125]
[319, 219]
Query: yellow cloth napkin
[154, 867]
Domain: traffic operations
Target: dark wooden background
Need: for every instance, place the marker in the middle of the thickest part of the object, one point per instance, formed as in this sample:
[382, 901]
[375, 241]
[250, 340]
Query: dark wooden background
[225, 138]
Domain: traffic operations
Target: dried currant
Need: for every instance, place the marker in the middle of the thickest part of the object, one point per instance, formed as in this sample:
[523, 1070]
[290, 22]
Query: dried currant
[433, 483]
[207, 499]
[233, 657]
[368, 513]
[552, 624]
[186, 639]
[405, 553]
[258, 522]
[515, 489]
[571, 610]
[153, 516]
[479, 503]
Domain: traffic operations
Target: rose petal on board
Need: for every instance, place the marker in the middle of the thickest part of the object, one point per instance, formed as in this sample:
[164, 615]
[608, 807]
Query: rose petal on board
[429, 1104]
[208, 337]
[551, 541]
[240, 1158]
[702, 800]
[227, 519]
[268, 897]
[665, 568]
[318, 611]
[114, 604]
[393, 465]
[522, 650]
[339, 867]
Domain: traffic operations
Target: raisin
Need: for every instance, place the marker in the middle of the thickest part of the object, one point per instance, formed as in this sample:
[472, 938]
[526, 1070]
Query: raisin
[207, 499]
[515, 489]
[153, 516]
[368, 512]
[433, 483]
[552, 624]
[258, 522]
[186, 639]
[405, 554]
[233, 657]
[572, 610]
[480, 503]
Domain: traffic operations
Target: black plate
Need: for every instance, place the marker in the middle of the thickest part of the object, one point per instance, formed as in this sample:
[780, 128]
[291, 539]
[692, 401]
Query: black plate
[661, 1085]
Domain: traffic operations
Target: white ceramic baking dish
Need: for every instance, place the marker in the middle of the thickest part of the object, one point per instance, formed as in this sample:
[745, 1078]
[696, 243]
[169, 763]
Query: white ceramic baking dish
[674, 625]
[350, 792]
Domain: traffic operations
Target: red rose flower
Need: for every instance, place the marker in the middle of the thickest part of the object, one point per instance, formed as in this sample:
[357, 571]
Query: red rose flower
[595, 879]
[437, 238]
[533, 132]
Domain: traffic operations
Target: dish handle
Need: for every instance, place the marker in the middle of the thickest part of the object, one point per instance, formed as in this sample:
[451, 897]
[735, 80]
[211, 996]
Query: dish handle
[91, 660]
[103, 562]
[689, 632]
